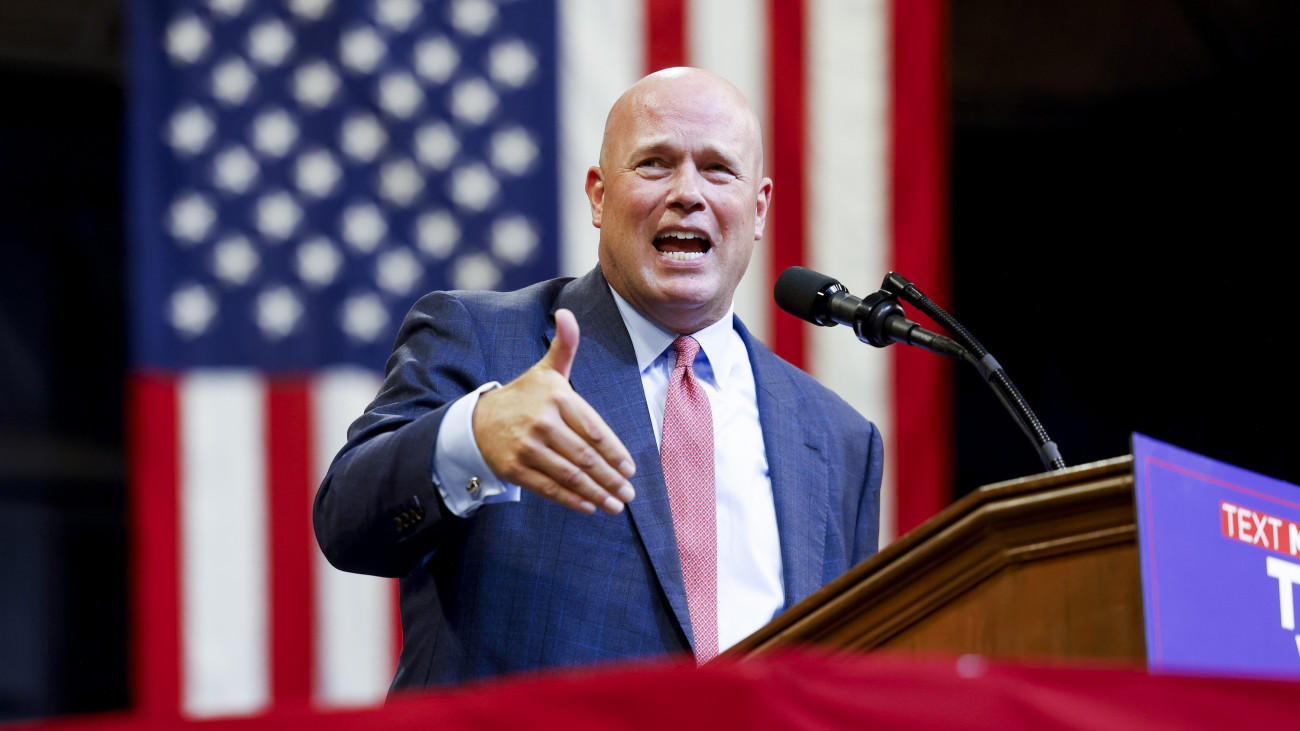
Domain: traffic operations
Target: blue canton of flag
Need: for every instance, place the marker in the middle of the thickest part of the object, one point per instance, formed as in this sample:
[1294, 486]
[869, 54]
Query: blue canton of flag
[304, 170]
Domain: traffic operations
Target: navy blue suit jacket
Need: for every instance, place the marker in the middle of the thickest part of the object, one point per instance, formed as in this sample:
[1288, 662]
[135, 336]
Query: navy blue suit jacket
[519, 586]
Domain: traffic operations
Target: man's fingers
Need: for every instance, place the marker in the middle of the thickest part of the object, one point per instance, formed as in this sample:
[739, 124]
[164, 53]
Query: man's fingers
[594, 433]
[539, 482]
[559, 357]
[606, 466]
[561, 477]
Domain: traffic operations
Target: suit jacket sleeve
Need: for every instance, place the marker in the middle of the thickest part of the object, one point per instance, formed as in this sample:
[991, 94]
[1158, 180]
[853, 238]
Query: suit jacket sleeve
[377, 510]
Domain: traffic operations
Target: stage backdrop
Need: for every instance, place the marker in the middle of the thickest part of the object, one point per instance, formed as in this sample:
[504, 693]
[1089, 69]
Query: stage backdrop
[302, 171]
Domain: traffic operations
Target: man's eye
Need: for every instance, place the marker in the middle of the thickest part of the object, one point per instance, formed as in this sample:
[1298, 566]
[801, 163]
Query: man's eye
[651, 164]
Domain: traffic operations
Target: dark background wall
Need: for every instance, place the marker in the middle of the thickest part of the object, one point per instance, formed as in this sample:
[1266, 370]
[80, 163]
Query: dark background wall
[1123, 177]
[62, 350]
[1123, 204]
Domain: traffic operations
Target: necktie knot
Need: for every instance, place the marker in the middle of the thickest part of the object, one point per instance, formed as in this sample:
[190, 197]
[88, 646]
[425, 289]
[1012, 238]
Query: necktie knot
[686, 348]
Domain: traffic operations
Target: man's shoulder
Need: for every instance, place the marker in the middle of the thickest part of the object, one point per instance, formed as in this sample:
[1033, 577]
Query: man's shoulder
[773, 372]
[533, 298]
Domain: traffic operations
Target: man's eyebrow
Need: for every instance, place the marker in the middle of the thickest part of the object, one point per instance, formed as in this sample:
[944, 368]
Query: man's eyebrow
[661, 146]
[651, 147]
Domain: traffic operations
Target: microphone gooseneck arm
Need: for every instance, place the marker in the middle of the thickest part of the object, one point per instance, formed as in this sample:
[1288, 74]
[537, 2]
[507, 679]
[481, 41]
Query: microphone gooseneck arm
[877, 319]
[975, 354]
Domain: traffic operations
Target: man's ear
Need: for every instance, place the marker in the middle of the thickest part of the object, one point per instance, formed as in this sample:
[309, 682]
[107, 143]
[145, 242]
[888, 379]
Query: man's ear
[762, 203]
[595, 193]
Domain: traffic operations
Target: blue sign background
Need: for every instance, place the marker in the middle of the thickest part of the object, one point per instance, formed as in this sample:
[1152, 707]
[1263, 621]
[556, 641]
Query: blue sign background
[1210, 605]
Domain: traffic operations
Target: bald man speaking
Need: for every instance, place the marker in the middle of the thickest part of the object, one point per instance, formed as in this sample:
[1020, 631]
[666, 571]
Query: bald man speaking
[650, 478]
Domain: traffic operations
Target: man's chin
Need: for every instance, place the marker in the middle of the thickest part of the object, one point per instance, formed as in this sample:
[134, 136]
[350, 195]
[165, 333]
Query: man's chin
[686, 312]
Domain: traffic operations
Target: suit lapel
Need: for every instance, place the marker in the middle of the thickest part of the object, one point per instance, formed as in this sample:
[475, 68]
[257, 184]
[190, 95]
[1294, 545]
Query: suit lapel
[606, 375]
[797, 464]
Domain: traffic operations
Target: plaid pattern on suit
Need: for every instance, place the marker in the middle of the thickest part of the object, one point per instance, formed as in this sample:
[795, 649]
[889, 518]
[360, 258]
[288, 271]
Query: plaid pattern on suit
[525, 585]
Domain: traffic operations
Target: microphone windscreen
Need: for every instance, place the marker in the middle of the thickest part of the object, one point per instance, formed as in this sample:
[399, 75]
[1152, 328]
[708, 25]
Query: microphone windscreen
[797, 291]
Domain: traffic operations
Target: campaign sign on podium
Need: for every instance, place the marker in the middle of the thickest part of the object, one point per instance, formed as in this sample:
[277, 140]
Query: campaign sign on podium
[1220, 551]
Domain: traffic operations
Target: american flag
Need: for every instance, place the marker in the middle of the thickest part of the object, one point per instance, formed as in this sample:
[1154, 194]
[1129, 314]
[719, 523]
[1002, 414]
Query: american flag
[302, 170]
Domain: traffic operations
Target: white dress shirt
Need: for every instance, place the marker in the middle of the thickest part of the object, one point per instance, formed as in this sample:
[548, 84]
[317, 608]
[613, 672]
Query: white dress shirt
[750, 587]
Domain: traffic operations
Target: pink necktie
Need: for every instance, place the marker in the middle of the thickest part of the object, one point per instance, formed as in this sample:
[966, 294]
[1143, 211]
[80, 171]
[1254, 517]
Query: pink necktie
[686, 451]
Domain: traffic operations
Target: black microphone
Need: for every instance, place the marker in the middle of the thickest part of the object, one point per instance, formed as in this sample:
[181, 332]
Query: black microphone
[877, 320]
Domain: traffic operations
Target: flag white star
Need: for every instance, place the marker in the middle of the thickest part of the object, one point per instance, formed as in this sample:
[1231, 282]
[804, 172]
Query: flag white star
[228, 8]
[192, 216]
[363, 137]
[278, 312]
[315, 84]
[436, 59]
[318, 262]
[317, 174]
[473, 187]
[190, 129]
[234, 260]
[269, 42]
[191, 310]
[400, 94]
[513, 239]
[364, 317]
[363, 227]
[187, 39]
[436, 145]
[400, 182]
[274, 132]
[232, 80]
[361, 48]
[513, 150]
[310, 9]
[234, 169]
[278, 215]
[398, 271]
[396, 14]
[473, 101]
[475, 271]
[437, 234]
[473, 17]
[511, 63]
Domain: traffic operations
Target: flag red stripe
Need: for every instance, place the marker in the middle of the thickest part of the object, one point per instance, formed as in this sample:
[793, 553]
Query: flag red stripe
[918, 218]
[396, 589]
[153, 448]
[289, 494]
[665, 31]
[787, 102]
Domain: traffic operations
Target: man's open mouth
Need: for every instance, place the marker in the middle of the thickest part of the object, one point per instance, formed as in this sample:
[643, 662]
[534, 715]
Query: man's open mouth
[682, 246]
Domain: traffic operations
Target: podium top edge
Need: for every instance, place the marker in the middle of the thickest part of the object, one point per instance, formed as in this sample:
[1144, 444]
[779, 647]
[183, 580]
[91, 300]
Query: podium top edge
[1114, 465]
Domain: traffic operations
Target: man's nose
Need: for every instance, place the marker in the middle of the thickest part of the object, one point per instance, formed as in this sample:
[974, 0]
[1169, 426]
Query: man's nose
[685, 191]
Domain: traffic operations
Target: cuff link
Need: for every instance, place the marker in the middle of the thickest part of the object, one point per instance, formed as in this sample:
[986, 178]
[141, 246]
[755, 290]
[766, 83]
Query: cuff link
[473, 487]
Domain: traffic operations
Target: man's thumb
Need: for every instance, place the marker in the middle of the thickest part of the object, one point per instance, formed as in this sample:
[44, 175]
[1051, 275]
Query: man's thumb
[560, 356]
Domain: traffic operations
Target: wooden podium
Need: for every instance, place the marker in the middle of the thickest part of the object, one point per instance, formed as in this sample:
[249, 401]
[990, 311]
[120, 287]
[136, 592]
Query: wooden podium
[1043, 566]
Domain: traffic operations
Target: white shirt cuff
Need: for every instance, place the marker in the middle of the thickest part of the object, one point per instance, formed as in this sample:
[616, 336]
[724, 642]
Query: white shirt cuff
[459, 472]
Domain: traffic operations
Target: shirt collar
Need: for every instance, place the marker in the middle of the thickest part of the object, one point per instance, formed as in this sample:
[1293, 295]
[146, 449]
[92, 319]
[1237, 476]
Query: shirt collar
[650, 340]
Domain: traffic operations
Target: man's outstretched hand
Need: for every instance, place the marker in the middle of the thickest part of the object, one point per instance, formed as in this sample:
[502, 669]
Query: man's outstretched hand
[538, 433]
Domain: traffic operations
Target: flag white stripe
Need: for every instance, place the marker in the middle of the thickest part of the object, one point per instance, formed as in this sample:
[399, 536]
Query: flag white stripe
[224, 544]
[729, 38]
[848, 167]
[600, 49]
[354, 624]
